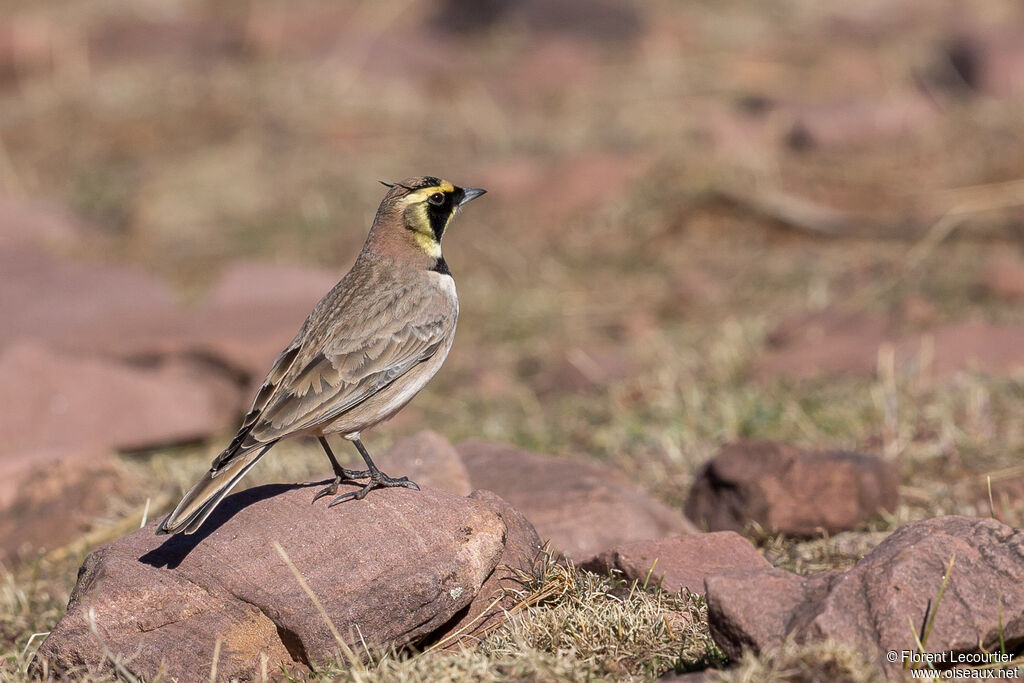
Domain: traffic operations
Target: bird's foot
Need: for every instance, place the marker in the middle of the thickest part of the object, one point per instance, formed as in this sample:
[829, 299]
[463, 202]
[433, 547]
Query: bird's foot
[378, 480]
[352, 475]
[346, 475]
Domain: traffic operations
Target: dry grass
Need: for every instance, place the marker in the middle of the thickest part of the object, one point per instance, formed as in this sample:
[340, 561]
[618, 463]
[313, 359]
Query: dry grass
[800, 663]
[573, 625]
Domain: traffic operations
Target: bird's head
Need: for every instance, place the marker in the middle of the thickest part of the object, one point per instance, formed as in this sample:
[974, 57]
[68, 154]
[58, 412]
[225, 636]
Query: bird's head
[423, 207]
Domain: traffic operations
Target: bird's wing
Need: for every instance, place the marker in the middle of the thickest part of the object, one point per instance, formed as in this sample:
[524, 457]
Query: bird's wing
[355, 361]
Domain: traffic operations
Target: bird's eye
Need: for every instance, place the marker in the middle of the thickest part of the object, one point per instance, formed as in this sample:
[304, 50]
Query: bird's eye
[437, 199]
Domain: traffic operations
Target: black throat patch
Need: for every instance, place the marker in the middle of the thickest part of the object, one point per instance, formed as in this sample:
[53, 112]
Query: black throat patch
[440, 214]
[440, 266]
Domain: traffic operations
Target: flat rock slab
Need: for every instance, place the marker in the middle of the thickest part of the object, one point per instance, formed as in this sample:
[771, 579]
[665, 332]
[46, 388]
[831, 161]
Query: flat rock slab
[390, 569]
[790, 491]
[57, 400]
[680, 562]
[831, 343]
[876, 606]
[53, 299]
[32, 223]
[248, 317]
[581, 506]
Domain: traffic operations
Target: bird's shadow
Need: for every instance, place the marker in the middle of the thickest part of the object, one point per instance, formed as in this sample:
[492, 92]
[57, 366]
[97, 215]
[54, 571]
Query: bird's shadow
[177, 546]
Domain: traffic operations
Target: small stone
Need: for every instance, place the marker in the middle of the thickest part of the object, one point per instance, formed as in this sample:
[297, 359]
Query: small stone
[680, 562]
[1003, 277]
[790, 491]
[582, 507]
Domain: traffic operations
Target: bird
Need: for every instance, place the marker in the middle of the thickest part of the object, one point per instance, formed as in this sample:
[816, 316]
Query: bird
[366, 349]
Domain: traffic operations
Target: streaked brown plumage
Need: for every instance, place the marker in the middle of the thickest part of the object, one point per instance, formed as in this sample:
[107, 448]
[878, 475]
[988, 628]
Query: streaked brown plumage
[366, 349]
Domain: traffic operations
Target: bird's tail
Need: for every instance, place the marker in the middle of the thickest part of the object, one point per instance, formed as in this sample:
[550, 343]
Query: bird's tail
[198, 503]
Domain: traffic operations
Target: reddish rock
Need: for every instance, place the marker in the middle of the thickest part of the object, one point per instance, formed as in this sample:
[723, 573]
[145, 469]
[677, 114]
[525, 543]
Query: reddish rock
[253, 312]
[57, 300]
[826, 343]
[680, 562]
[1003, 277]
[247, 283]
[248, 317]
[391, 569]
[850, 123]
[918, 310]
[57, 401]
[597, 20]
[25, 223]
[582, 507]
[830, 343]
[972, 345]
[562, 187]
[874, 606]
[429, 460]
[49, 498]
[759, 620]
[581, 370]
[790, 491]
[496, 597]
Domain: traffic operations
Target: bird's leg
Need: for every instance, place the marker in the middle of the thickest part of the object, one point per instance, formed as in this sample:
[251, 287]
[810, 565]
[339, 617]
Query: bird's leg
[341, 474]
[378, 480]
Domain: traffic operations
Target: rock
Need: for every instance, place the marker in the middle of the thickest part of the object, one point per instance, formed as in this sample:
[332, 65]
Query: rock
[1003, 277]
[597, 20]
[918, 310]
[254, 312]
[832, 343]
[31, 224]
[790, 491]
[680, 562]
[974, 345]
[567, 186]
[581, 506]
[60, 401]
[77, 305]
[390, 569]
[49, 498]
[757, 620]
[247, 318]
[579, 371]
[827, 342]
[852, 123]
[875, 606]
[429, 460]
[488, 609]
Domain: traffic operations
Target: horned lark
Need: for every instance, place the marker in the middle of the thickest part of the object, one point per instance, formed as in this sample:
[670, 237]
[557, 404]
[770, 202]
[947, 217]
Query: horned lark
[366, 349]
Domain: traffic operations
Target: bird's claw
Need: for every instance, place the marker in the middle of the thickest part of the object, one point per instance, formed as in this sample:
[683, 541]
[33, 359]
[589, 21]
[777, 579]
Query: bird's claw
[332, 488]
[380, 481]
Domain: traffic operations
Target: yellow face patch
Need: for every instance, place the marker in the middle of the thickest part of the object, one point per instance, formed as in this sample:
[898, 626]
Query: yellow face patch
[417, 217]
[422, 194]
[430, 246]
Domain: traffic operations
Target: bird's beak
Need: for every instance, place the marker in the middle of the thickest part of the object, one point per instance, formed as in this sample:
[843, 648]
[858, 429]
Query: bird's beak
[469, 194]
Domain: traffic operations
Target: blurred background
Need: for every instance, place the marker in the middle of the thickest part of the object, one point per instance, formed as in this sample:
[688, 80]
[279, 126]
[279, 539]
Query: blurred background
[781, 219]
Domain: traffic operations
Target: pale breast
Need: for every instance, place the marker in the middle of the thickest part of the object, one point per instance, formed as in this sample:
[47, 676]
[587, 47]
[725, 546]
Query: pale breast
[393, 398]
